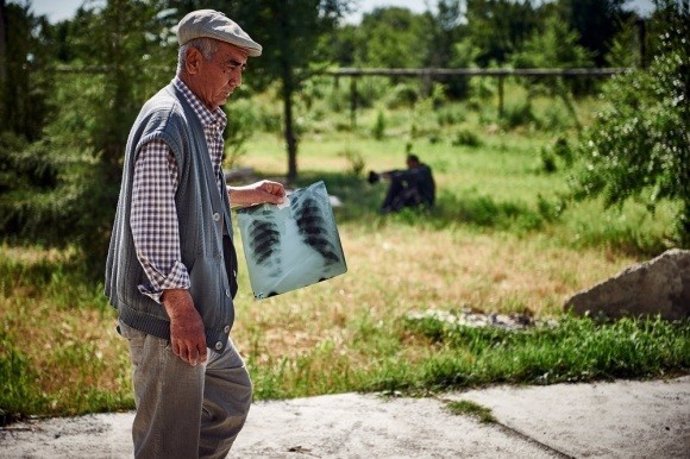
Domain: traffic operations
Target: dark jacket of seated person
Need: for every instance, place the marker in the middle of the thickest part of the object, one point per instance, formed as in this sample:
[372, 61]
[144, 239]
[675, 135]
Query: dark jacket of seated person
[411, 187]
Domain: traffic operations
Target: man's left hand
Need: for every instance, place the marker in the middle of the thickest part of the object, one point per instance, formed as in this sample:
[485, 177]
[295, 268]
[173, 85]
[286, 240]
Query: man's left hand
[257, 193]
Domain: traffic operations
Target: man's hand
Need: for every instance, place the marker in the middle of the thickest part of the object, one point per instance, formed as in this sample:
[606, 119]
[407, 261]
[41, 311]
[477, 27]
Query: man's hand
[187, 337]
[257, 193]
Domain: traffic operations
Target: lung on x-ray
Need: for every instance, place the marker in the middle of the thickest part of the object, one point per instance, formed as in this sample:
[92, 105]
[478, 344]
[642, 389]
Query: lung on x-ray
[292, 245]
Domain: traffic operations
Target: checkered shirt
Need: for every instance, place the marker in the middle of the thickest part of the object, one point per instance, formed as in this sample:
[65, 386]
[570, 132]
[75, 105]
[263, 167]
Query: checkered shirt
[154, 217]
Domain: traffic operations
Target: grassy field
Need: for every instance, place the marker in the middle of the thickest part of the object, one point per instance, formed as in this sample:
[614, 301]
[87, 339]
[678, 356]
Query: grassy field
[500, 240]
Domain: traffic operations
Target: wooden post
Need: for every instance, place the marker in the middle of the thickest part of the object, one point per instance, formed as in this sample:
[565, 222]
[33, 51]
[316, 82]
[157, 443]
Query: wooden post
[353, 102]
[500, 96]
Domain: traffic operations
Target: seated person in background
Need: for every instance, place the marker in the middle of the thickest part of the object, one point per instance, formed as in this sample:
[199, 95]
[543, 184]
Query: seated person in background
[411, 187]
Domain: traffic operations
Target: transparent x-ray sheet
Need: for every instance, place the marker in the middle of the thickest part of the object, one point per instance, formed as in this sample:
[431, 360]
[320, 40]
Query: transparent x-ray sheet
[293, 245]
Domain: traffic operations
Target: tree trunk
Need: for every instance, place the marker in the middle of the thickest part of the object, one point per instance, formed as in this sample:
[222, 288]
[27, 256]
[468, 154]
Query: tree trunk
[288, 79]
[290, 139]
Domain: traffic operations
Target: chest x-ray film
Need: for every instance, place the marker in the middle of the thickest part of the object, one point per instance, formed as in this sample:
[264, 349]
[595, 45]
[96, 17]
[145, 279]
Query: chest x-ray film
[292, 245]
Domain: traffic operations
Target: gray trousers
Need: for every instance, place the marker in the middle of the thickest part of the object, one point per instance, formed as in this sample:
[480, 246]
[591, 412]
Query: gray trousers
[184, 411]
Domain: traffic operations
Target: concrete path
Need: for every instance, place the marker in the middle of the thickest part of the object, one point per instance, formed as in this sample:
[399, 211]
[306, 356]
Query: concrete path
[623, 419]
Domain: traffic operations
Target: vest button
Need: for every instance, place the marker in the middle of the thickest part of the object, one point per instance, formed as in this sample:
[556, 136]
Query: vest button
[227, 292]
[219, 346]
[216, 217]
[227, 329]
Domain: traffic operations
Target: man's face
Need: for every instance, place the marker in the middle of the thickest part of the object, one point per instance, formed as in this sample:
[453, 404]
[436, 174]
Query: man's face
[219, 76]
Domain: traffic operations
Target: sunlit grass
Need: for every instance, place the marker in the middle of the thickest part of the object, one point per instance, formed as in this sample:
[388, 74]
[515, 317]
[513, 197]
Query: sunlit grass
[500, 240]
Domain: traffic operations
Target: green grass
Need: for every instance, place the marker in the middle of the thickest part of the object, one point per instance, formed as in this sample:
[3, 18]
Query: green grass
[469, 408]
[442, 358]
[501, 239]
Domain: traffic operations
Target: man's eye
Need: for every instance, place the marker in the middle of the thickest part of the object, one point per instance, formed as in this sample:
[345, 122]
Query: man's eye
[234, 65]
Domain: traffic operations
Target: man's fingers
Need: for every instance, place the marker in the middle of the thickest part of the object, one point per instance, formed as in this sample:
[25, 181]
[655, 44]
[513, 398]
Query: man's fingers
[175, 347]
[275, 199]
[188, 352]
[184, 354]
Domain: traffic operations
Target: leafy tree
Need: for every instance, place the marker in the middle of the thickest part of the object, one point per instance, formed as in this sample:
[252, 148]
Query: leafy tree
[499, 27]
[24, 55]
[554, 45]
[393, 37]
[596, 22]
[289, 31]
[640, 145]
[84, 141]
[625, 46]
[446, 31]
[340, 47]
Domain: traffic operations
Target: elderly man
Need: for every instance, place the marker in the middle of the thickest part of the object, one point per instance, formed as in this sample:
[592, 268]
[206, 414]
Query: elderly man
[171, 268]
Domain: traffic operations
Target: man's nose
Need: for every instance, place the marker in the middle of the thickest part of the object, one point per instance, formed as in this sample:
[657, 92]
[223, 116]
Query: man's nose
[236, 77]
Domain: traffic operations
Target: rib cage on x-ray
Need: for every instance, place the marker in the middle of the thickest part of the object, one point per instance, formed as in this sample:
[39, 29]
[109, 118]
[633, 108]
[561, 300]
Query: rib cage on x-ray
[290, 247]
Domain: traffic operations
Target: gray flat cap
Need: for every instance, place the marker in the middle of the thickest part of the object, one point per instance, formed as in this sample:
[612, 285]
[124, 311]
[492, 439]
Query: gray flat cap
[214, 24]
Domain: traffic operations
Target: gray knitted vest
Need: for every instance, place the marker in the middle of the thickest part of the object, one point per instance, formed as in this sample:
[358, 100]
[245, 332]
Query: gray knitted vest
[203, 213]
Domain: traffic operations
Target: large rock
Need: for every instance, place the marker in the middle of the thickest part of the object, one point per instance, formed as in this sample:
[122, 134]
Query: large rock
[659, 286]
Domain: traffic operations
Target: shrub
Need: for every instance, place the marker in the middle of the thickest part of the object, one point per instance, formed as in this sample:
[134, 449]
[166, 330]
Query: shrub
[468, 138]
[638, 146]
[450, 115]
[402, 95]
[517, 114]
[558, 152]
[355, 159]
[379, 129]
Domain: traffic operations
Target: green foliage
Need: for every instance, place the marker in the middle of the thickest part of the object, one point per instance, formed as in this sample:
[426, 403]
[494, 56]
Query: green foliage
[449, 115]
[498, 28]
[472, 208]
[576, 349]
[290, 31]
[557, 117]
[355, 160]
[556, 156]
[554, 45]
[625, 47]
[389, 35]
[596, 23]
[517, 113]
[468, 407]
[467, 137]
[24, 81]
[402, 95]
[242, 122]
[18, 393]
[639, 146]
[22, 168]
[85, 139]
[379, 129]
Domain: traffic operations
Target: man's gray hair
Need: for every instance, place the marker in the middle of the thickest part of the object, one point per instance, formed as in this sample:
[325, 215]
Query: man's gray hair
[207, 47]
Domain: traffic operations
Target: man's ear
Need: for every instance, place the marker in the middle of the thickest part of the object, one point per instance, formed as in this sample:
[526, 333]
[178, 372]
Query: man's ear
[193, 61]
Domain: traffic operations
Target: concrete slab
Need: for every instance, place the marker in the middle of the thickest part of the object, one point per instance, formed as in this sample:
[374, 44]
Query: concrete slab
[625, 419]
[622, 419]
[368, 426]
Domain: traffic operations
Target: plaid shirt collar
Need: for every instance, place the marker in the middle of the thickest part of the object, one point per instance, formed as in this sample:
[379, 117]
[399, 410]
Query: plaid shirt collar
[208, 118]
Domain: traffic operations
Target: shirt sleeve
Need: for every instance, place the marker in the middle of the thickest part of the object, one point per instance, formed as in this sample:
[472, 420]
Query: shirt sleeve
[154, 223]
